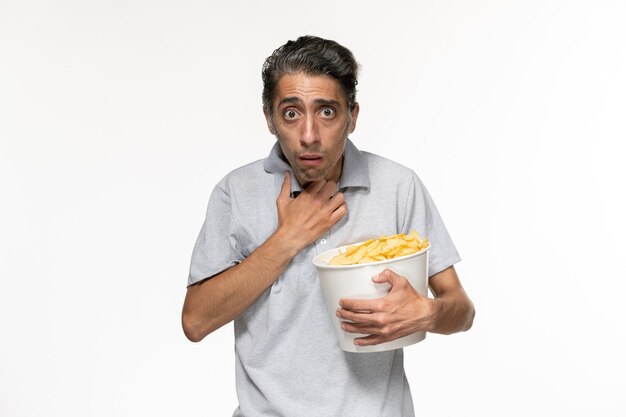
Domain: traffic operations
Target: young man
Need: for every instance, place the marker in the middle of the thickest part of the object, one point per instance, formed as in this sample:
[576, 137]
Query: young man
[266, 221]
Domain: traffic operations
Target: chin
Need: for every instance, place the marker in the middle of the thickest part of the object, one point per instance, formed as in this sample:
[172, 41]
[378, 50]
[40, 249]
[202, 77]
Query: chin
[310, 176]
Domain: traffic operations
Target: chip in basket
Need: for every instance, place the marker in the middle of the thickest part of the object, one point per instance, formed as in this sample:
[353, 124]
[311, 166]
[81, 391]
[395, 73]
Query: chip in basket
[383, 248]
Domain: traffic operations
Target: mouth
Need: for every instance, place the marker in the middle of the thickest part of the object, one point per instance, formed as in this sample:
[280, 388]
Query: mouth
[310, 160]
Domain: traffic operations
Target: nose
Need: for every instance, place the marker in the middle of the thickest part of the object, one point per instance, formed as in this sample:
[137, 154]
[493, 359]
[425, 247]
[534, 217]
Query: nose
[309, 134]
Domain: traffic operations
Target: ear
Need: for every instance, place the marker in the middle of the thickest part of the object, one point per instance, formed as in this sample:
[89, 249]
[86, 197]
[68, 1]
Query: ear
[355, 115]
[270, 123]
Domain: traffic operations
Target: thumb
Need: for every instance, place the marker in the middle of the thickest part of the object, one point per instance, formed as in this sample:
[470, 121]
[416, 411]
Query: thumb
[387, 276]
[285, 190]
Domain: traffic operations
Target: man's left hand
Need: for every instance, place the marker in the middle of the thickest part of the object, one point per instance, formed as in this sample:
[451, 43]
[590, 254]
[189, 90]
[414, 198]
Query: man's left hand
[401, 312]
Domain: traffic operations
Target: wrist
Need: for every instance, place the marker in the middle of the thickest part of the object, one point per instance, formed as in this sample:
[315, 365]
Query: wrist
[437, 308]
[284, 243]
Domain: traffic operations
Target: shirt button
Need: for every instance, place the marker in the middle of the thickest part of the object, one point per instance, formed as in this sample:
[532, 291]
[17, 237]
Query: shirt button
[322, 241]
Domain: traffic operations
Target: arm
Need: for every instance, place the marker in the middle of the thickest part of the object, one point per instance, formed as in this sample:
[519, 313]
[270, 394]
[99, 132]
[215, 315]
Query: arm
[212, 303]
[404, 311]
[454, 311]
[216, 301]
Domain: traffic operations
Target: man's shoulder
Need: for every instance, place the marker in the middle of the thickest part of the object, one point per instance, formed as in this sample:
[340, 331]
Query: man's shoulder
[382, 166]
[248, 173]
[247, 169]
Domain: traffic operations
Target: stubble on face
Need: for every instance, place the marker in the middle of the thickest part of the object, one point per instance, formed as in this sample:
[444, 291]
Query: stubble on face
[329, 171]
[311, 122]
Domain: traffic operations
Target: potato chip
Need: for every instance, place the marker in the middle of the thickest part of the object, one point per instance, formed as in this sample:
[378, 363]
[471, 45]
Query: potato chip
[383, 248]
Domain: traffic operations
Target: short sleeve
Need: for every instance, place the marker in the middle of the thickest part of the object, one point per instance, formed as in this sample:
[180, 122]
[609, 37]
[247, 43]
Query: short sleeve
[422, 216]
[216, 247]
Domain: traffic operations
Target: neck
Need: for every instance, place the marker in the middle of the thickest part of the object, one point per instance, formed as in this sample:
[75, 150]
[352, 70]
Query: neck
[334, 175]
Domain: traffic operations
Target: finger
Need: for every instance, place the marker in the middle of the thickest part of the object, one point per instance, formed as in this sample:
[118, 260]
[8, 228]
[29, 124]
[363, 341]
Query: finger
[360, 305]
[337, 207]
[285, 189]
[335, 201]
[314, 187]
[363, 317]
[362, 328]
[371, 340]
[384, 335]
[339, 212]
[329, 189]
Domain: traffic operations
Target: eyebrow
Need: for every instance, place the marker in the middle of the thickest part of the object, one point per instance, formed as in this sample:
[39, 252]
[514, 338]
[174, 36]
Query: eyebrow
[320, 101]
[327, 102]
[288, 100]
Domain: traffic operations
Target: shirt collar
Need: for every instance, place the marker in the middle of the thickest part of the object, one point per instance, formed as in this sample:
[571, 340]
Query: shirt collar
[355, 171]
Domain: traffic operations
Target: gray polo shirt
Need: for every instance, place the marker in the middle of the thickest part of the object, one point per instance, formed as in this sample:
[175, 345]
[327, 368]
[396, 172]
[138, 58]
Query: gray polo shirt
[288, 361]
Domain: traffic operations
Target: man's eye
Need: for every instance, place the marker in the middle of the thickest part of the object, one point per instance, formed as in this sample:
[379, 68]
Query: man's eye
[328, 112]
[290, 114]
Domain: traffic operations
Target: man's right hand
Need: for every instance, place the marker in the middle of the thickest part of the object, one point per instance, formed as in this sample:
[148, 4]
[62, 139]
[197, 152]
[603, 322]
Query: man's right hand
[304, 219]
[214, 302]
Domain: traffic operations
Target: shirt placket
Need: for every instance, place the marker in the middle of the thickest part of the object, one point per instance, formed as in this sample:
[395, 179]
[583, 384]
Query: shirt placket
[323, 243]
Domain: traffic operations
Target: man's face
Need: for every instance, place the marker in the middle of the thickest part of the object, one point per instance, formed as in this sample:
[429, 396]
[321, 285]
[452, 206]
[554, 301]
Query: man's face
[311, 121]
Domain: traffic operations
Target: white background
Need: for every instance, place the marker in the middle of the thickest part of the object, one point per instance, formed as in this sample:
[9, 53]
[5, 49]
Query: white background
[118, 118]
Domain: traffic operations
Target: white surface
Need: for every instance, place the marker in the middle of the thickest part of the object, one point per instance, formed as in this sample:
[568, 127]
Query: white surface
[355, 281]
[117, 118]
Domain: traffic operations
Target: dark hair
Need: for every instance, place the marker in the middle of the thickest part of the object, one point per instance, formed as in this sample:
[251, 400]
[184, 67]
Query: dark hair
[315, 56]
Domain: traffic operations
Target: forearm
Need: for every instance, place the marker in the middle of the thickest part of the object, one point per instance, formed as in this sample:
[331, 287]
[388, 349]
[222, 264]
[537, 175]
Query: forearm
[214, 302]
[454, 312]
